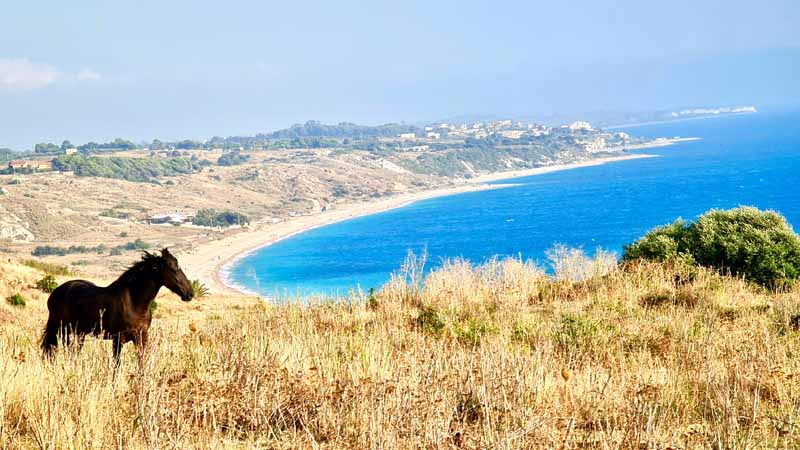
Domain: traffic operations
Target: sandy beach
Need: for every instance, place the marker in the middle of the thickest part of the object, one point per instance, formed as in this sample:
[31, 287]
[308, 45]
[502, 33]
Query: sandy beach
[209, 261]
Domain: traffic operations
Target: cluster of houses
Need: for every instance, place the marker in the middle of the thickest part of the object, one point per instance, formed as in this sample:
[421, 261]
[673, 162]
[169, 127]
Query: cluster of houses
[35, 165]
[479, 130]
[591, 142]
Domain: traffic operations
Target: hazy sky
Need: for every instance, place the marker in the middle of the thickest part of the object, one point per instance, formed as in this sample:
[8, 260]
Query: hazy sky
[93, 70]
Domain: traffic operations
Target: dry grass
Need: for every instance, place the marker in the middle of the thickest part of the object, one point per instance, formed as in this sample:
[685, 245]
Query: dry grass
[493, 356]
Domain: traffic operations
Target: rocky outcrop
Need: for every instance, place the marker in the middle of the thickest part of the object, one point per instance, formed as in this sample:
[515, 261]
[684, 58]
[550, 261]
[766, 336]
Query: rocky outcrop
[13, 229]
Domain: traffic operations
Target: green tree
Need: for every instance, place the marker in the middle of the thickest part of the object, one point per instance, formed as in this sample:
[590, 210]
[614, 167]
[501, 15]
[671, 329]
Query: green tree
[46, 148]
[759, 245]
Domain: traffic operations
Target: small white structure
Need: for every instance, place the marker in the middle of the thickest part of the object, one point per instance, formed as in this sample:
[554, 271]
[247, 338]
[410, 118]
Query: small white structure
[172, 218]
[580, 125]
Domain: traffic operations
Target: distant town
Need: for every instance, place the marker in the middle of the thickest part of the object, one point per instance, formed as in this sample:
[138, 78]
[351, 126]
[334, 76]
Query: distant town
[397, 137]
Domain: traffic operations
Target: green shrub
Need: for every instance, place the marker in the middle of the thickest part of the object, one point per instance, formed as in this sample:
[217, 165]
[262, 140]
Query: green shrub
[429, 320]
[47, 250]
[16, 300]
[759, 245]
[471, 332]
[47, 284]
[232, 159]
[214, 218]
[131, 169]
[526, 333]
[521, 333]
[138, 244]
[372, 301]
[661, 243]
[681, 297]
[576, 335]
[200, 290]
[50, 268]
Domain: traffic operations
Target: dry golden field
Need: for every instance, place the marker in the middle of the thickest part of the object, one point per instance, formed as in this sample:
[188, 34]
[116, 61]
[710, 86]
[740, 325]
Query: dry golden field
[494, 356]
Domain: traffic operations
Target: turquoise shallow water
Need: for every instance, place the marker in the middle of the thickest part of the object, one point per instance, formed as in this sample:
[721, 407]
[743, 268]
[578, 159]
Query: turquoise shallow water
[741, 160]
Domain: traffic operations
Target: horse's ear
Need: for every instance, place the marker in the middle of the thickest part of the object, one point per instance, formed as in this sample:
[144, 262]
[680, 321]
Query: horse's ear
[165, 252]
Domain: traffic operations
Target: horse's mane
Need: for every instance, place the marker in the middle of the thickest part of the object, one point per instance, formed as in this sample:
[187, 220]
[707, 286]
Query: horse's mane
[140, 267]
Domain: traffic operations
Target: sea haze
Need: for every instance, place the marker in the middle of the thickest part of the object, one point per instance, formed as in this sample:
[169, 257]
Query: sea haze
[740, 160]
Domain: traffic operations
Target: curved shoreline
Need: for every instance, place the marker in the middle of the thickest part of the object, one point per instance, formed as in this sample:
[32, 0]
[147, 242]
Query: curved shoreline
[212, 262]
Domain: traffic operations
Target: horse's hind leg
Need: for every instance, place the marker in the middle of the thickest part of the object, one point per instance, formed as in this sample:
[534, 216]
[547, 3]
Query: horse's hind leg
[49, 337]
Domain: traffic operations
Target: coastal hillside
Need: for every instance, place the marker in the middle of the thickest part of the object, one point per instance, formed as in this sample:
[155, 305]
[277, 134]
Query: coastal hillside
[497, 355]
[92, 206]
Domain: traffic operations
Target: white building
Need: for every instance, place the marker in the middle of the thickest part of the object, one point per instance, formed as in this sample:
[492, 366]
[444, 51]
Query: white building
[174, 217]
[580, 125]
[597, 145]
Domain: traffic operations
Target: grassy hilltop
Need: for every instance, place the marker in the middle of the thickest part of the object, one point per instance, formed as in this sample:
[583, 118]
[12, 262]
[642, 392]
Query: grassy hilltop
[632, 356]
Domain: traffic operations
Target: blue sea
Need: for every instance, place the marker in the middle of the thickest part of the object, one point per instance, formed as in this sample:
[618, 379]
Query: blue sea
[749, 159]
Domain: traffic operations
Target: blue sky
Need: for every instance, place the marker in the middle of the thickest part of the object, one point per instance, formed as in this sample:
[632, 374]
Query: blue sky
[193, 69]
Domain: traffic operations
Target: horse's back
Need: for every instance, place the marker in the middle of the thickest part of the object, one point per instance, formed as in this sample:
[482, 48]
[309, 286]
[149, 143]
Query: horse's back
[75, 293]
[72, 288]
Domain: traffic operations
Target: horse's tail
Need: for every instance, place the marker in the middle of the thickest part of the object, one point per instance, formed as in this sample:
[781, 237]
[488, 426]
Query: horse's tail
[49, 337]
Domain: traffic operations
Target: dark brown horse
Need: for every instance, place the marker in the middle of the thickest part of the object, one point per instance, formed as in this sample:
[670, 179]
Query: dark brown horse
[121, 311]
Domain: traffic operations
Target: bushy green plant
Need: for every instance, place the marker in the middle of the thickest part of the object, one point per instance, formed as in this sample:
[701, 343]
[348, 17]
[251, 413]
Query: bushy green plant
[47, 284]
[213, 218]
[200, 290]
[372, 301]
[48, 250]
[16, 300]
[429, 321]
[50, 268]
[471, 332]
[661, 243]
[759, 245]
[138, 244]
[131, 169]
[575, 334]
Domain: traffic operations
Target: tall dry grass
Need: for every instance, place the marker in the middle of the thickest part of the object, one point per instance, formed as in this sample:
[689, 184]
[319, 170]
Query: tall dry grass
[497, 355]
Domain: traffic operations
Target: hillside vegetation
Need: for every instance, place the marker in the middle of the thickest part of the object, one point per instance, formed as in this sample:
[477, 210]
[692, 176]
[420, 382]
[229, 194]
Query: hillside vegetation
[131, 169]
[497, 355]
[760, 245]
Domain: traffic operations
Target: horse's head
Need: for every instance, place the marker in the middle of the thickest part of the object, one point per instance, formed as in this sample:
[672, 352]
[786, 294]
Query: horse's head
[173, 277]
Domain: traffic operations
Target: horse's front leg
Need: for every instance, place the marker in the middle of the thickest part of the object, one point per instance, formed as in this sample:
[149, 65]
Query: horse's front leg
[140, 340]
[117, 341]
